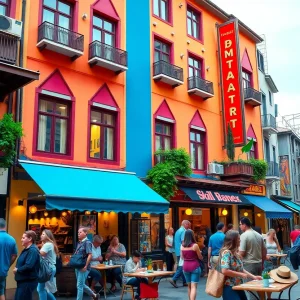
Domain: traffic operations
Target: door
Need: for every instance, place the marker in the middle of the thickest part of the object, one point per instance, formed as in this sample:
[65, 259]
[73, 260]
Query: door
[267, 150]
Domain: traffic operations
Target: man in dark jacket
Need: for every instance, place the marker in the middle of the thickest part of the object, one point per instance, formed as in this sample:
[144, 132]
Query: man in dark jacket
[27, 267]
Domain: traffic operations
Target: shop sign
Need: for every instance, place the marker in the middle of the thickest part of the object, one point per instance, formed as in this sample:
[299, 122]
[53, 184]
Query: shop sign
[255, 189]
[218, 197]
[197, 212]
[231, 83]
[3, 181]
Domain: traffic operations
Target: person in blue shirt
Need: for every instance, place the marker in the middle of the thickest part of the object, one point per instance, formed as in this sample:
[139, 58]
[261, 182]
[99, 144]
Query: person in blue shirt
[178, 239]
[215, 244]
[8, 255]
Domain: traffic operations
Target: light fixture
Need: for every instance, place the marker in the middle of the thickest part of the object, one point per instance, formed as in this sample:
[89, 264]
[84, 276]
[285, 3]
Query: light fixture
[188, 41]
[259, 215]
[84, 16]
[62, 107]
[20, 202]
[64, 213]
[188, 211]
[181, 55]
[180, 4]
[246, 214]
[32, 209]
[87, 212]
[203, 50]
[207, 68]
[154, 23]
[224, 212]
[95, 120]
[172, 33]
[46, 214]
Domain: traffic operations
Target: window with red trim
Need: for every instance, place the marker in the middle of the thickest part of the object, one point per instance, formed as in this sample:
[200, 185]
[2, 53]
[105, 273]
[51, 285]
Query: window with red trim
[246, 79]
[53, 126]
[193, 23]
[161, 8]
[104, 31]
[195, 67]
[4, 7]
[58, 13]
[197, 148]
[162, 51]
[102, 135]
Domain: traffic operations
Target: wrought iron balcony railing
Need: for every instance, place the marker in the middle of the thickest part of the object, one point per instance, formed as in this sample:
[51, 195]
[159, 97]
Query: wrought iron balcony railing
[60, 35]
[273, 169]
[107, 52]
[164, 68]
[250, 93]
[8, 48]
[196, 82]
[268, 121]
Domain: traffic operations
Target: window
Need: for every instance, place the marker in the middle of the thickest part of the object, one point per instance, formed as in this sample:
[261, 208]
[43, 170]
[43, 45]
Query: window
[53, 126]
[260, 60]
[163, 136]
[195, 67]
[162, 51]
[102, 135]
[193, 23]
[161, 9]
[270, 98]
[253, 152]
[104, 31]
[246, 79]
[197, 143]
[4, 7]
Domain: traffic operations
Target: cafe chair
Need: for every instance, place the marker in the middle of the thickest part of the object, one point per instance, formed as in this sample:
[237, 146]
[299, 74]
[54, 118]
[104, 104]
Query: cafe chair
[126, 288]
[148, 290]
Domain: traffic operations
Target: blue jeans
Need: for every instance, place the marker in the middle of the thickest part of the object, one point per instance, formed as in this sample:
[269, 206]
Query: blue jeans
[81, 286]
[136, 282]
[179, 272]
[25, 290]
[95, 275]
[2, 285]
[230, 294]
[192, 277]
[43, 294]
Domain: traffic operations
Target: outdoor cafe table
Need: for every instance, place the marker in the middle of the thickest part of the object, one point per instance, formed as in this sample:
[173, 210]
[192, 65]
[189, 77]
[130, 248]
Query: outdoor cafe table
[278, 256]
[257, 286]
[102, 268]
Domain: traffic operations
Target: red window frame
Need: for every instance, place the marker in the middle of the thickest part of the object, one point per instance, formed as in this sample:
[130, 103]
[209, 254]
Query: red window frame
[168, 10]
[197, 144]
[163, 135]
[54, 116]
[197, 21]
[247, 82]
[102, 136]
[57, 12]
[7, 6]
[103, 30]
[195, 69]
[160, 51]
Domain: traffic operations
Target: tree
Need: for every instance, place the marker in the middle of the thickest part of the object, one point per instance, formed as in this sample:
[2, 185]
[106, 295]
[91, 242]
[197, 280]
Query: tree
[230, 149]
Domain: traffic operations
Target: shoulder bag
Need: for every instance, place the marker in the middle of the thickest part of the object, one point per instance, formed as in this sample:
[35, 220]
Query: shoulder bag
[45, 271]
[78, 261]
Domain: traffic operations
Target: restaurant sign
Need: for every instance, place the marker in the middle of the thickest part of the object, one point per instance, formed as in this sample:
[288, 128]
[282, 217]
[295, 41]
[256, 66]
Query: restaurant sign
[232, 93]
[255, 189]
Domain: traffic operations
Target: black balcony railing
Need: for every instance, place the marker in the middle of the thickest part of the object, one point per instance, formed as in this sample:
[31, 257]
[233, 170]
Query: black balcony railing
[268, 121]
[8, 48]
[196, 82]
[165, 68]
[60, 35]
[107, 52]
[273, 169]
[250, 93]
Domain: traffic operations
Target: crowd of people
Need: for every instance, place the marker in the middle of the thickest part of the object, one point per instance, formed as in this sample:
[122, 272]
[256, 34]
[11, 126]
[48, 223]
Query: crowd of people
[240, 257]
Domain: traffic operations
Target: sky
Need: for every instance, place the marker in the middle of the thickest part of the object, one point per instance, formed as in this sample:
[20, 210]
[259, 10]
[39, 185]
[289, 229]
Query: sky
[279, 20]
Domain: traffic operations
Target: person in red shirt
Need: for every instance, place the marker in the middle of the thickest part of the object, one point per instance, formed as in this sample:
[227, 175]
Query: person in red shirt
[295, 233]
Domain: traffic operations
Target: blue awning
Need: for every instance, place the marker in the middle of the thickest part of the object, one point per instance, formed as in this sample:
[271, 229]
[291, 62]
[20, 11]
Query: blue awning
[293, 206]
[271, 208]
[75, 188]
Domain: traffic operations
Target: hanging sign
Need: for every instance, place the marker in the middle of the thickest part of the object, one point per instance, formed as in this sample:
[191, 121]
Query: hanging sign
[255, 189]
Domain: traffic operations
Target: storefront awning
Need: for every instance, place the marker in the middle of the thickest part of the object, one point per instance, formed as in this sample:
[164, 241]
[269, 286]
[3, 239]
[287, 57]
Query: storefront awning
[291, 205]
[215, 197]
[271, 208]
[76, 188]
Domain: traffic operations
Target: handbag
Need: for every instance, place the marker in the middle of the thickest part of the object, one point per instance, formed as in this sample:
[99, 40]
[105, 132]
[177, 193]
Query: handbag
[215, 282]
[45, 271]
[77, 261]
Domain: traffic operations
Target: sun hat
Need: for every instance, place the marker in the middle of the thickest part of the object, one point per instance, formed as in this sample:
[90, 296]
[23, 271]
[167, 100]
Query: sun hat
[283, 275]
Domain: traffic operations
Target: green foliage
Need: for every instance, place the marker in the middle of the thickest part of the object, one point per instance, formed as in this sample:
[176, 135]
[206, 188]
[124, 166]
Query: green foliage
[260, 168]
[148, 262]
[265, 275]
[10, 131]
[175, 162]
[248, 146]
[230, 149]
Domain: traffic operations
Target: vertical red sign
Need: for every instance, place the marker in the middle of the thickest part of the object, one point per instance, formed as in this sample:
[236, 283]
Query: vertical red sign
[232, 93]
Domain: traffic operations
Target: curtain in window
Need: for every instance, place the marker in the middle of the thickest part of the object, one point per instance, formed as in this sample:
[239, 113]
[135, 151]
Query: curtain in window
[63, 33]
[42, 132]
[61, 136]
[108, 143]
[200, 154]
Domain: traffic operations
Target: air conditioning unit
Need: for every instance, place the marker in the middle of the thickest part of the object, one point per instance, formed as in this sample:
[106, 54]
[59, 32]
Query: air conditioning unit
[214, 168]
[10, 26]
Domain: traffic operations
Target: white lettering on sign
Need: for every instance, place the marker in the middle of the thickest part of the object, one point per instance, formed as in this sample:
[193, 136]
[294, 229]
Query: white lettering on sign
[217, 196]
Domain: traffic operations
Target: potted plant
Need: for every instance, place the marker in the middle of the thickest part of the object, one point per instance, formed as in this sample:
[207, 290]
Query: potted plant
[10, 131]
[266, 276]
[148, 263]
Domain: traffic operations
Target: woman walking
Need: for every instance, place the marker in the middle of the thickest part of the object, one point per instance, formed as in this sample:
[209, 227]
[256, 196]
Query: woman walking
[232, 267]
[27, 267]
[49, 252]
[191, 254]
[170, 250]
[272, 246]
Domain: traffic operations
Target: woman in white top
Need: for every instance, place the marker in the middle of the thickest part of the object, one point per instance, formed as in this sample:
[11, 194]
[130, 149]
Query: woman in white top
[170, 250]
[273, 247]
[49, 251]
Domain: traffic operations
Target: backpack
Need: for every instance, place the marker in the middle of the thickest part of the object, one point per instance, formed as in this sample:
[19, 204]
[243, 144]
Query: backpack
[45, 271]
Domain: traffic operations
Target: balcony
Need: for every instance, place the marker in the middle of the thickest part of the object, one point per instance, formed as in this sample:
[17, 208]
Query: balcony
[60, 40]
[268, 123]
[107, 57]
[273, 171]
[167, 73]
[200, 87]
[252, 96]
[8, 48]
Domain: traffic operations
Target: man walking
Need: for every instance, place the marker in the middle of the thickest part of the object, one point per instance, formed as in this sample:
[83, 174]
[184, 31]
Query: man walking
[179, 237]
[252, 249]
[8, 255]
[215, 244]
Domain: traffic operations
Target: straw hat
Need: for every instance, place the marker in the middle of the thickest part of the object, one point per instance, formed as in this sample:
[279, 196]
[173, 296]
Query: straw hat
[283, 275]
